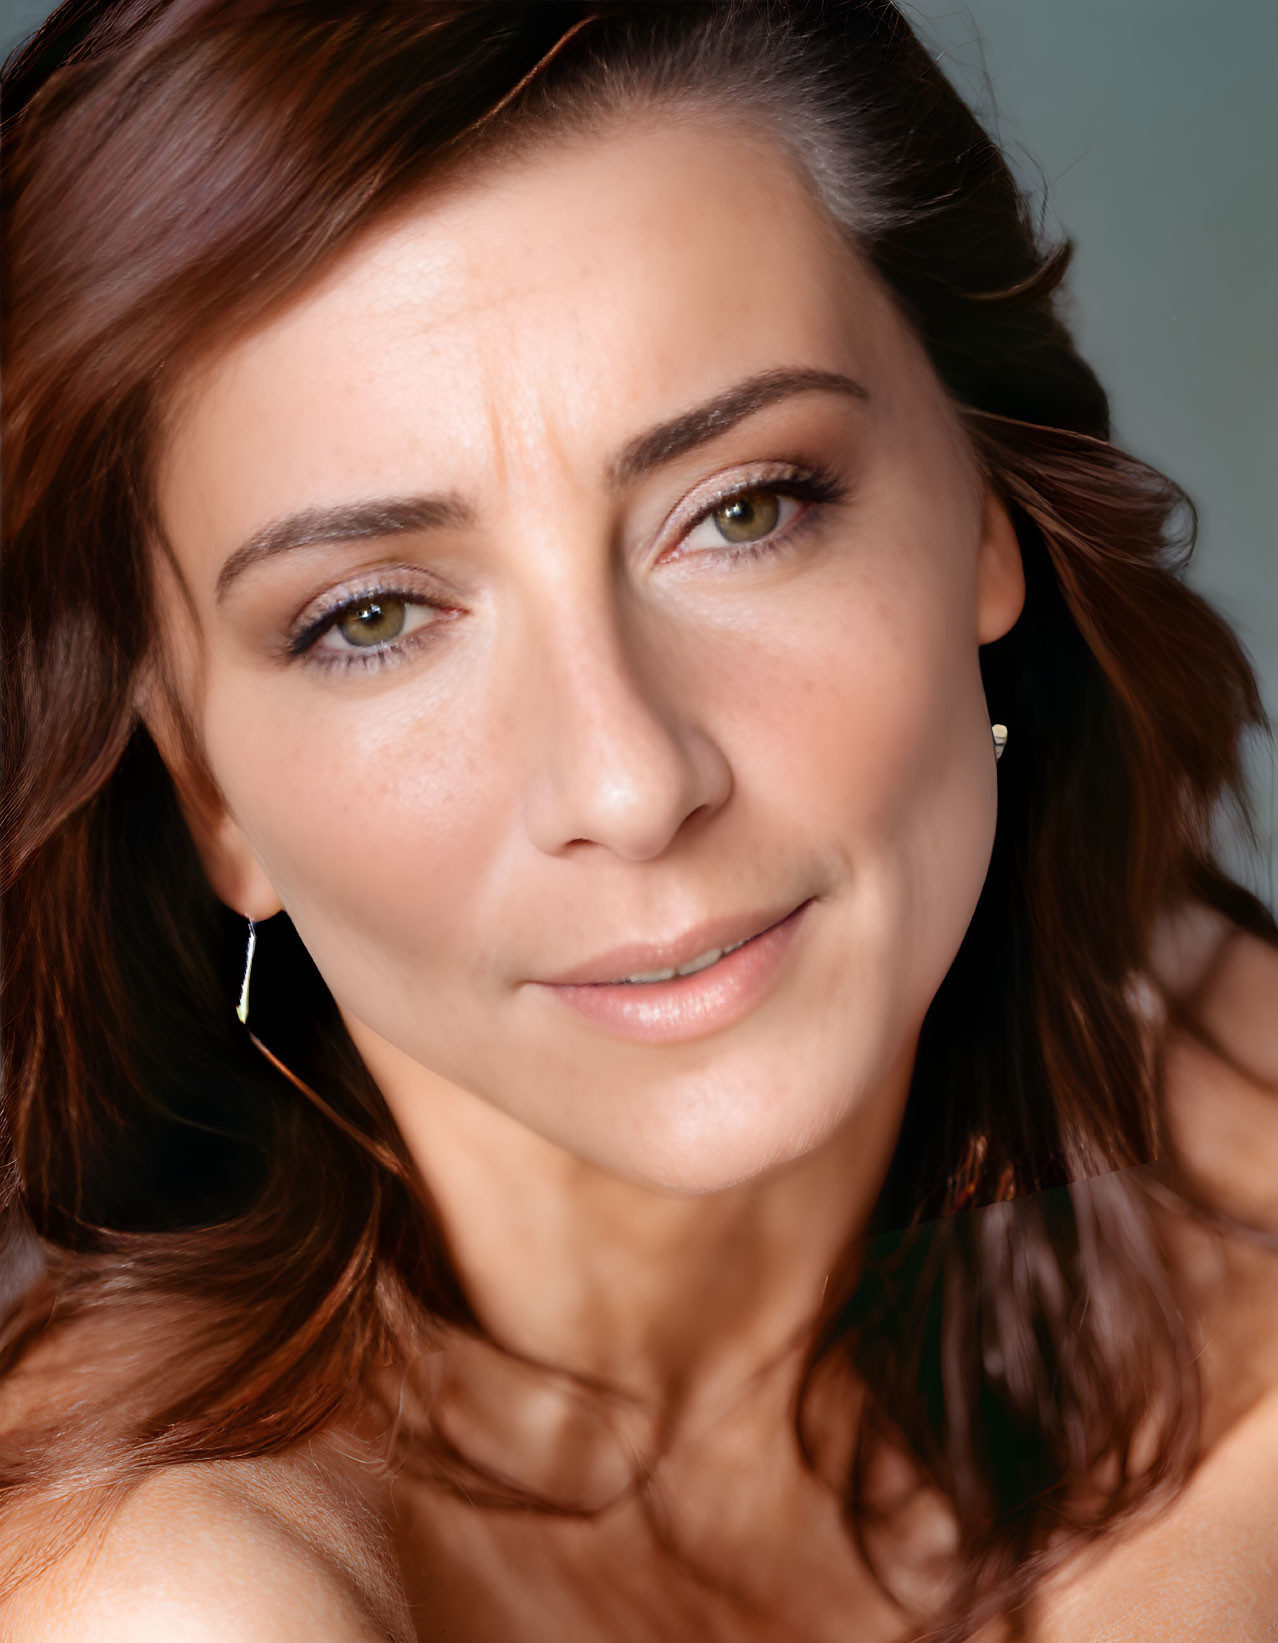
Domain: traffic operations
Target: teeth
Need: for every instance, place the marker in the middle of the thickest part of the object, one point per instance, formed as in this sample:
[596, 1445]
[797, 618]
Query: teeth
[690, 969]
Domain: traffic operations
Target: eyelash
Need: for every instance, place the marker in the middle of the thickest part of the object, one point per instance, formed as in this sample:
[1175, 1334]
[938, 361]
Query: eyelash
[812, 485]
[304, 645]
[815, 485]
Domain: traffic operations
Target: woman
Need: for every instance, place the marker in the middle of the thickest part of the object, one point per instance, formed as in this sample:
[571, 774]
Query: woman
[530, 527]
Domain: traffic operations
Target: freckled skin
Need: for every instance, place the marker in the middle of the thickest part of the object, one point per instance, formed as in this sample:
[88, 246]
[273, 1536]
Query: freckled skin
[616, 732]
[606, 744]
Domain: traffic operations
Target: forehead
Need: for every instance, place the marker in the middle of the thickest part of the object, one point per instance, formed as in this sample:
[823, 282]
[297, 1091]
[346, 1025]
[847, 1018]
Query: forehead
[555, 301]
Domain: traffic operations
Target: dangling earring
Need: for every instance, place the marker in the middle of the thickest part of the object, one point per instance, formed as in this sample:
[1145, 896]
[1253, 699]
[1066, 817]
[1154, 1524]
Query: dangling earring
[241, 1009]
[376, 1149]
[999, 733]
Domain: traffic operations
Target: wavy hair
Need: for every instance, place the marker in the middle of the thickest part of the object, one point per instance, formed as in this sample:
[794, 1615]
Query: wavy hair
[174, 172]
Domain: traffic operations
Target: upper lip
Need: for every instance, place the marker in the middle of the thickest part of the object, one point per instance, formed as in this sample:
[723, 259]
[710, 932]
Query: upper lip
[639, 957]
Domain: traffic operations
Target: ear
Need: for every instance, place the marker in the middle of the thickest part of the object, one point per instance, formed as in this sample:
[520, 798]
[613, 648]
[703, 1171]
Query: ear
[231, 865]
[229, 860]
[1000, 575]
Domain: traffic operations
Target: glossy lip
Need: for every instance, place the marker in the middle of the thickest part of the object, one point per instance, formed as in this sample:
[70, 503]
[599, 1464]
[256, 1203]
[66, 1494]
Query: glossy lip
[637, 958]
[689, 1006]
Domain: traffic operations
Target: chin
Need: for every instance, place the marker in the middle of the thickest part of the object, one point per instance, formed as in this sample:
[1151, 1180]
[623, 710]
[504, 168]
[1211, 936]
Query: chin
[723, 1134]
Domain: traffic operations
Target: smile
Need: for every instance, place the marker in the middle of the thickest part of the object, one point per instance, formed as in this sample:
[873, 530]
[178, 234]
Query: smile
[718, 986]
[689, 969]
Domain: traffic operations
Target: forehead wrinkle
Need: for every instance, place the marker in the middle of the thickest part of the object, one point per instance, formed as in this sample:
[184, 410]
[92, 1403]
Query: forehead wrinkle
[527, 438]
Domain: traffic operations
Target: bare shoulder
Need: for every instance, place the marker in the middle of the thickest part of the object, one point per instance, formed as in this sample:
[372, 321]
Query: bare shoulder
[292, 1546]
[1207, 1567]
[1206, 1570]
[1221, 1058]
[250, 1552]
[1222, 1101]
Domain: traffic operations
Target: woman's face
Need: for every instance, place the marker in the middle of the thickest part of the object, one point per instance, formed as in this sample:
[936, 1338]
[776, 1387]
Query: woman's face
[590, 575]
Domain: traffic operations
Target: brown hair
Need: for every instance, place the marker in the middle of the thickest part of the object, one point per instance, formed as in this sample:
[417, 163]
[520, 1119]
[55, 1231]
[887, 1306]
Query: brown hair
[174, 170]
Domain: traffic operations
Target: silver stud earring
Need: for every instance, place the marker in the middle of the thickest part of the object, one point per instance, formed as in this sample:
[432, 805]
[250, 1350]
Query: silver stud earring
[999, 733]
[241, 1009]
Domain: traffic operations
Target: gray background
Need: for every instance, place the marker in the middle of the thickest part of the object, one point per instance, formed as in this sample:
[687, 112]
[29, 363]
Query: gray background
[1150, 130]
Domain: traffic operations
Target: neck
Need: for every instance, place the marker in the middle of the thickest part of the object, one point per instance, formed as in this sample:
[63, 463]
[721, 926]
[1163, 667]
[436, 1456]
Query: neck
[678, 1301]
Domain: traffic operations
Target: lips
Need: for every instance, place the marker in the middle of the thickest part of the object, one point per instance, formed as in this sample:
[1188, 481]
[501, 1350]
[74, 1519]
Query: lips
[641, 958]
[712, 998]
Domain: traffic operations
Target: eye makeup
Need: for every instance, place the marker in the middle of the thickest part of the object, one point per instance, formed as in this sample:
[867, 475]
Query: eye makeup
[816, 486]
[374, 598]
[376, 593]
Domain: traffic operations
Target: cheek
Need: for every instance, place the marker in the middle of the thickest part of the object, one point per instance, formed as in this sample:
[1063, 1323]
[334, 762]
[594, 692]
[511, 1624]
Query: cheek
[850, 710]
[867, 701]
[870, 742]
[377, 823]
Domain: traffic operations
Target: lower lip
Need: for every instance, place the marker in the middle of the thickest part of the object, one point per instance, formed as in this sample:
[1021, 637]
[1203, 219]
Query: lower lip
[666, 1012]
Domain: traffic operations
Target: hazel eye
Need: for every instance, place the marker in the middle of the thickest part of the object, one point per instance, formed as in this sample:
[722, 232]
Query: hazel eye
[370, 623]
[754, 519]
[747, 516]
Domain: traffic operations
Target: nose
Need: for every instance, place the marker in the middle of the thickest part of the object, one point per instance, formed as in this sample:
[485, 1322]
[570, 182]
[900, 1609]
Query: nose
[618, 761]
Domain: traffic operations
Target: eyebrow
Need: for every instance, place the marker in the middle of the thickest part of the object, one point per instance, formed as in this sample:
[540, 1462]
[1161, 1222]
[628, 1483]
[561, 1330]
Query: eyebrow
[446, 510]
